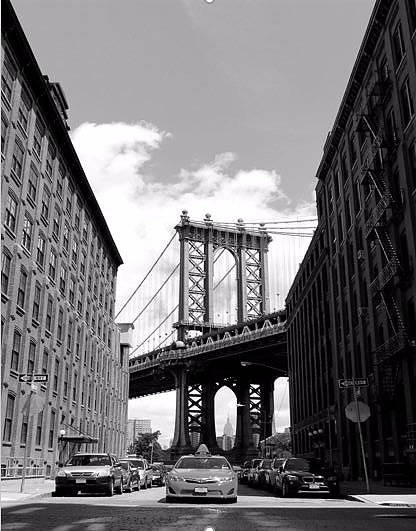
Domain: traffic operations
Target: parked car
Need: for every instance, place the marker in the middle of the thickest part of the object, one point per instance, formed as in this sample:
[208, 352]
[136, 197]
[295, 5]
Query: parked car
[274, 471]
[143, 470]
[306, 475]
[158, 475]
[243, 478]
[90, 472]
[202, 475]
[252, 470]
[238, 470]
[130, 476]
[261, 473]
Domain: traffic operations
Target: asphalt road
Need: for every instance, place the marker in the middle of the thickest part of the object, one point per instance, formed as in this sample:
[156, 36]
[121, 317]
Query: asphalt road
[255, 510]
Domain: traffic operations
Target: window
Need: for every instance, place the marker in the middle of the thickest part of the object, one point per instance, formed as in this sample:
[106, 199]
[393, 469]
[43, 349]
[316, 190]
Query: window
[46, 197]
[85, 228]
[56, 223]
[69, 198]
[40, 251]
[52, 265]
[66, 376]
[8, 418]
[11, 213]
[24, 111]
[4, 126]
[384, 69]
[75, 252]
[38, 438]
[31, 358]
[56, 375]
[74, 386]
[59, 331]
[49, 306]
[51, 429]
[353, 150]
[17, 159]
[8, 75]
[32, 185]
[407, 103]
[50, 157]
[21, 290]
[17, 341]
[398, 46]
[80, 299]
[45, 361]
[65, 242]
[69, 338]
[77, 215]
[5, 271]
[78, 342]
[27, 233]
[62, 280]
[60, 179]
[82, 263]
[37, 138]
[71, 294]
[23, 431]
[36, 302]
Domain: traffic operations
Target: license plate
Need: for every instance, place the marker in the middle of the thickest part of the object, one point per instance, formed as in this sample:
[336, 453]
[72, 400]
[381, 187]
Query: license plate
[314, 486]
[200, 490]
[80, 480]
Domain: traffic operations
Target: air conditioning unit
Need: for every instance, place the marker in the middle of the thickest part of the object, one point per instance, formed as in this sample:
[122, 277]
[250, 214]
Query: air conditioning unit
[363, 311]
[360, 254]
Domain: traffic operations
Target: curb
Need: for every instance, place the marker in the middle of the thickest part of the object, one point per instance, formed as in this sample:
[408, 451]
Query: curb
[363, 499]
[25, 498]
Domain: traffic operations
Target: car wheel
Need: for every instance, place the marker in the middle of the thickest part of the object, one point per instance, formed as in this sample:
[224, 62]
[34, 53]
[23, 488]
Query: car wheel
[170, 499]
[233, 500]
[129, 487]
[150, 484]
[120, 487]
[145, 484]
[138, 485]
[285, 490]
[110, 488]
[59, 492]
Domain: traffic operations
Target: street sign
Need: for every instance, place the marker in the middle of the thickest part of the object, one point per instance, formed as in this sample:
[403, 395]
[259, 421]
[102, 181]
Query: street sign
[357, 411]
[353, 382]
[33, 378]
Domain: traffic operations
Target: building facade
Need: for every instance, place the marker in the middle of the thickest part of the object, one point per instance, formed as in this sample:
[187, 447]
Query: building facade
[58, 277]
[352, 306]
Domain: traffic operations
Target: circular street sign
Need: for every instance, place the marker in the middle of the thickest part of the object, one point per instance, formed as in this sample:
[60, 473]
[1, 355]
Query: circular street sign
[353, 413]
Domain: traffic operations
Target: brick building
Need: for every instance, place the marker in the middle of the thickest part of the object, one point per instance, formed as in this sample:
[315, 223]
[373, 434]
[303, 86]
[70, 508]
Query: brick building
[58, 277]
[352, 306]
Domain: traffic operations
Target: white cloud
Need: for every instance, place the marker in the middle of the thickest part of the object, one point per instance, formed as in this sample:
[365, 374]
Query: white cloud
[142, 210]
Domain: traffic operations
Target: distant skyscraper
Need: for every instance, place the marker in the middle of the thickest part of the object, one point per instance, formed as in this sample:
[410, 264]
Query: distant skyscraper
[228, 428]
[137, 427]
[228, 437]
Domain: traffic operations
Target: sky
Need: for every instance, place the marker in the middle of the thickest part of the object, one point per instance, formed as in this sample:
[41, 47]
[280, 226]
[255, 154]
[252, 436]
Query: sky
[218, 107]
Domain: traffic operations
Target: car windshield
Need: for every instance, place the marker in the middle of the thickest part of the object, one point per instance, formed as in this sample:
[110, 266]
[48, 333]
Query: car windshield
[266, 463]
[137, 463]
[124, 464]
[203, 463]
[156, 469]
[304, 465]
[255, 462]
[89, 460]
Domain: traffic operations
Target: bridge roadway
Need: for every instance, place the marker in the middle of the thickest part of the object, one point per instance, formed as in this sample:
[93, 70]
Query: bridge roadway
[215, 355]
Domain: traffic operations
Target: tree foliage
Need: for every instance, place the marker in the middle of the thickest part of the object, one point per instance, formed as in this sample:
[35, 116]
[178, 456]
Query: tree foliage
[143, 446]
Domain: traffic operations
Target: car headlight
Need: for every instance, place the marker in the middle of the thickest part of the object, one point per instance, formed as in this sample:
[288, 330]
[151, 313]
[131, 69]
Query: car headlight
[176, 478]
[62, 474]
[226, 480]
[292, 478]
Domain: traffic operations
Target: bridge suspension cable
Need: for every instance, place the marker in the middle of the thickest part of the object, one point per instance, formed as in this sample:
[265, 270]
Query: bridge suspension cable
[146, 276]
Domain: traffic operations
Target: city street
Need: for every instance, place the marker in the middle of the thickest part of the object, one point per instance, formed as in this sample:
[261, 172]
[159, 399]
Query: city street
[255, 510]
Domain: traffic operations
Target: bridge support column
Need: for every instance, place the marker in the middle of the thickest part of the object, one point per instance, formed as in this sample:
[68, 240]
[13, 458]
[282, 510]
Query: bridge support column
[244, 439]
[208, 434]
[267, 407]
[181, 441]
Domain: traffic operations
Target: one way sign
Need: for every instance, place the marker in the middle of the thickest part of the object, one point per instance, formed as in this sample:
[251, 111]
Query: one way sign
[33, 377]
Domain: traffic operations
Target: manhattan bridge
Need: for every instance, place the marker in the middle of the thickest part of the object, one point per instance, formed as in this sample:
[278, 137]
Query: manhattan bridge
[208, 314]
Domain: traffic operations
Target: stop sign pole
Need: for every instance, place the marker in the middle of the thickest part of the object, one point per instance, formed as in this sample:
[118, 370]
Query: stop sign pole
[343, 384]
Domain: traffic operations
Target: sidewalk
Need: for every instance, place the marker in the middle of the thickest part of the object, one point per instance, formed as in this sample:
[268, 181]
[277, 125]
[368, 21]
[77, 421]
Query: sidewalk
[33, 488]
[380, 494]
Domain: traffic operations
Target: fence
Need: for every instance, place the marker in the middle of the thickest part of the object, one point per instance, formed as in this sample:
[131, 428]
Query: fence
[12, 468]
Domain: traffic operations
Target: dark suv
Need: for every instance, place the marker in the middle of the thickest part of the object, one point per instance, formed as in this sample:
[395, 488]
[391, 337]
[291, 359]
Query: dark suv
[305, 475]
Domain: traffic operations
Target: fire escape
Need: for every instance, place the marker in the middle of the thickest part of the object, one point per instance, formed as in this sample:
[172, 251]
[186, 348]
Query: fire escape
[383, 206]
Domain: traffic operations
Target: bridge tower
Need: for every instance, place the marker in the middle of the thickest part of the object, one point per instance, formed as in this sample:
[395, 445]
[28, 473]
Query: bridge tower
[195, 411]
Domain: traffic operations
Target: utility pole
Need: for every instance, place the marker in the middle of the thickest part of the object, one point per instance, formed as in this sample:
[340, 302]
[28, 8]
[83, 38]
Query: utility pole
[33, 389]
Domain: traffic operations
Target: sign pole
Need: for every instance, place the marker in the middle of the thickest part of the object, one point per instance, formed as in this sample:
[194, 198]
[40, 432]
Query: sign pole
[361, 438]
[27, 438]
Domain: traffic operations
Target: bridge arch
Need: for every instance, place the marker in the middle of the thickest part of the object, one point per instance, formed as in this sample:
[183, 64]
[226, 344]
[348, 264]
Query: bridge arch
[225, 405]
[224, 286]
